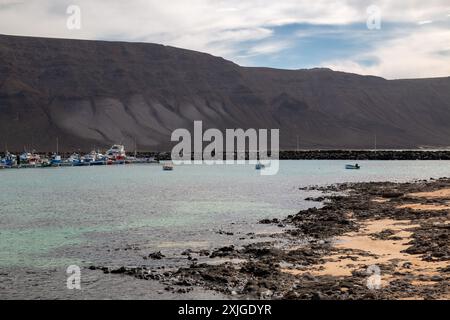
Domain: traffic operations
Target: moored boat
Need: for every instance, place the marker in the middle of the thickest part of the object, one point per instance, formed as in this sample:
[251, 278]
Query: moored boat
[260, 166]
[10, 160]
[29, 159]
[56, 160]
[352, 167]
[95, 158]
[75, 160]
[168, 167]
[116, 153]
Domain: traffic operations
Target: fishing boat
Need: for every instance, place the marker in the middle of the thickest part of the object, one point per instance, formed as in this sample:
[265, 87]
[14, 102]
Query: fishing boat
[25, 157]
[95, 158]
[28, 159]
[168, 167]
[10, 160]
[90, 157]
[75, 160]
[116, 153]
[352, 167]
[56, 160]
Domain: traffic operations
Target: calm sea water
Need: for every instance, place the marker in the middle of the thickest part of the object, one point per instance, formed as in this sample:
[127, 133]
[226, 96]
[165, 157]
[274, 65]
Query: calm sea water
[53, 218]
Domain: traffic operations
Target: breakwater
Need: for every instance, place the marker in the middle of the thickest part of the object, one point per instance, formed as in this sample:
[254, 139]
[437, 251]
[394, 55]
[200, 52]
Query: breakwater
[342, 155]
[366, 155]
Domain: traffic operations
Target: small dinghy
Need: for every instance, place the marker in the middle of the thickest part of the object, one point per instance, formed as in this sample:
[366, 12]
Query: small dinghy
[168, 167]
[352, 167]
[260, 166]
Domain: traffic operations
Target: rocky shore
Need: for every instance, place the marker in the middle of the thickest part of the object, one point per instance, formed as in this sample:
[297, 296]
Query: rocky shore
[363, 241]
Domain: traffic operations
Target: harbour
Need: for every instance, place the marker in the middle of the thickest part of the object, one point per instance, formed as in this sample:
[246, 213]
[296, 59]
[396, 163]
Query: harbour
[116, 155]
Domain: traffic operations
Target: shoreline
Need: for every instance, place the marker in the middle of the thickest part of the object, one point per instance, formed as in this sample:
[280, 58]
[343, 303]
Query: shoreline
[399, 231]
[344, 154]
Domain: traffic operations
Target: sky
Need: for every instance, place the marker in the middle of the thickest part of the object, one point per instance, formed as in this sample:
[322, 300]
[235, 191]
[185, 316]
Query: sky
[392, 39]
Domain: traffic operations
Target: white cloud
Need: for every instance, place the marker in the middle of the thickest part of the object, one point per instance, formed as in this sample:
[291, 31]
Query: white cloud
[424, 53]
[268, 48]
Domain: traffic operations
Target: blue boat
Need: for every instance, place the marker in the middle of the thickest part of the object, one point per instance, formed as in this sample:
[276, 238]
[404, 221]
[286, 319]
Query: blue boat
[95, 158]
[56, 160]
[9, 160]
[98, 162]
[260, 166]
[75, 160]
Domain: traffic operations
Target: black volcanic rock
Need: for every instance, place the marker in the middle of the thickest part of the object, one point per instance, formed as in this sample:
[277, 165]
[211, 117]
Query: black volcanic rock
[95, 93]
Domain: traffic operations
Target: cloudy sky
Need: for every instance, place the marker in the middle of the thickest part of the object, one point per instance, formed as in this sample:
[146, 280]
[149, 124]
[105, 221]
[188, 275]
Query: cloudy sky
[412, 41]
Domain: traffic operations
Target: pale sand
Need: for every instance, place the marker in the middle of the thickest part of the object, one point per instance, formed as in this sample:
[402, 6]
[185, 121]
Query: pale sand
[443, 193]
[382, 252]
[364, 251]
[438, 194]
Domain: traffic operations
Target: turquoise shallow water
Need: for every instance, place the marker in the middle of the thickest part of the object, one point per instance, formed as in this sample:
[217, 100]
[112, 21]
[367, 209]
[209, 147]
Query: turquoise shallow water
[53, 218]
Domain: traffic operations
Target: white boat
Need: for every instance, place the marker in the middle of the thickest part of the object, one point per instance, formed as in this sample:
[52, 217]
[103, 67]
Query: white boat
[25, 157]
[29, 158]
[75, 160]
[117, 152]
[168, 167]
[89, 157]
